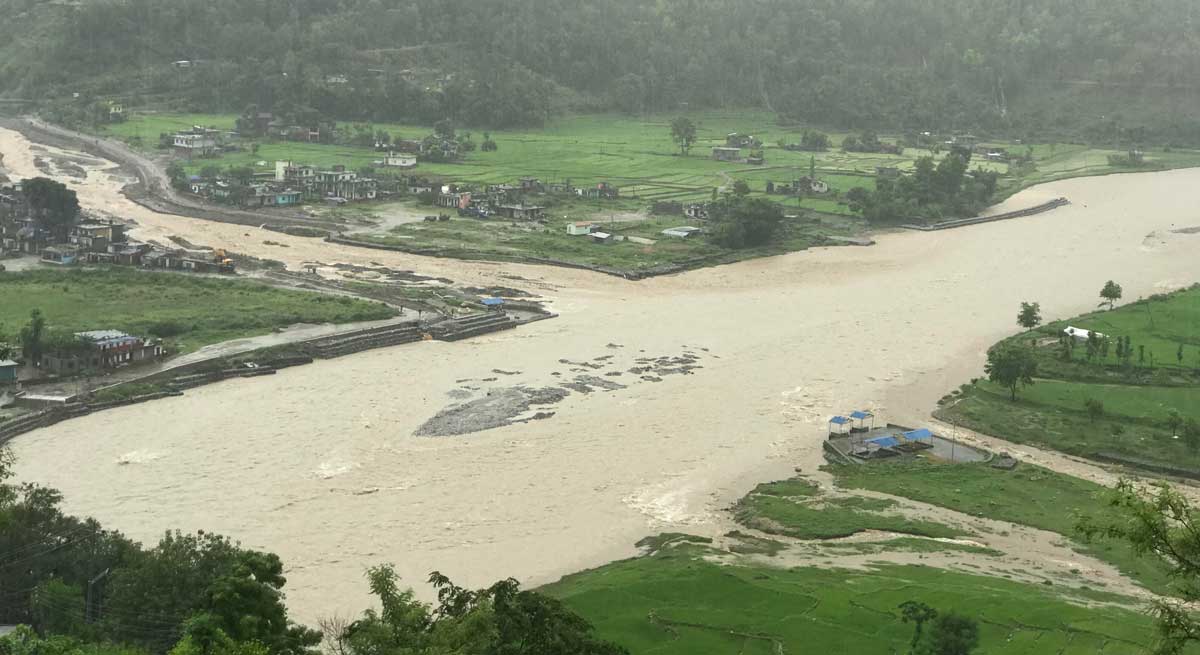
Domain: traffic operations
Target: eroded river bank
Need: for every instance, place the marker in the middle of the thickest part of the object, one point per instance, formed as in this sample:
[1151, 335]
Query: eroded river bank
[322, 464]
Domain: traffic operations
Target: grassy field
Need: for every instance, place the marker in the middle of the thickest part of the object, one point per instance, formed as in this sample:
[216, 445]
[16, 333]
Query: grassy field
[637, 154]
[675, 601]
[795, 508]
[1029, 495]
[469, 238]
[1137, 398]
[189, 311]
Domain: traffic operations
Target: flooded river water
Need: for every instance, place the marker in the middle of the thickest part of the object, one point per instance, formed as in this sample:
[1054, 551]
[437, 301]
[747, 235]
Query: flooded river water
[319, 463]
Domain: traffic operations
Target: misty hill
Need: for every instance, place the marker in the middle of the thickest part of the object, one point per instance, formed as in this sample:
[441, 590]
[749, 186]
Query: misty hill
[1096, 69]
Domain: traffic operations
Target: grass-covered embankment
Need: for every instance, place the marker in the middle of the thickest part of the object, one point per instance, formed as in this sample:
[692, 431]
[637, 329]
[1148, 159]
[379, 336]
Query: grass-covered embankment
[676, 601]
[187, 311]
[1028, 495]
[1139, 395]
[506, 241]
[796, 508]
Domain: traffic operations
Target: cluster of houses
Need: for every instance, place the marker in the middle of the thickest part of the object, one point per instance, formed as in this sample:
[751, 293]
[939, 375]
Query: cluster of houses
[513, 201]
[734, 144]
[95, 351]
[91, 241]
[290, 184]
[101, 350]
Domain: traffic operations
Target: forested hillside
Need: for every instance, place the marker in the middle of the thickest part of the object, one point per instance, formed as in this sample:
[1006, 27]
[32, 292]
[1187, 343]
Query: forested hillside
[1097, 69]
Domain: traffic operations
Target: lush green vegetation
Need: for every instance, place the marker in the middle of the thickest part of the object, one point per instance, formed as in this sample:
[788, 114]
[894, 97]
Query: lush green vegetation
[675, 601]
[794, 508]
[1105, 72]
[1140, 402]
[1029, 495]
[187, 311]
[639, 156]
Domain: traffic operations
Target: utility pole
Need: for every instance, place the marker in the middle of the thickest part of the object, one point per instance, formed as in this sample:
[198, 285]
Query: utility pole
[87, 608]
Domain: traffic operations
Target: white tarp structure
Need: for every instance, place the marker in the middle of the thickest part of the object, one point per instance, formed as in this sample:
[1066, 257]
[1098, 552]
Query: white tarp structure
[1080, 333]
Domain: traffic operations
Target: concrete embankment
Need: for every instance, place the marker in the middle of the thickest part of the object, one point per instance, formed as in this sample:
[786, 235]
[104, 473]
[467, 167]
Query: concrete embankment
[976, 220]
[260, 363]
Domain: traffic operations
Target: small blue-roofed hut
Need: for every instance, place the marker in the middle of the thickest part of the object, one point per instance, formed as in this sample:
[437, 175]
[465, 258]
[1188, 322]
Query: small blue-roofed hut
[837, 425]
[919, 436]
[861, 415]
[493, 304]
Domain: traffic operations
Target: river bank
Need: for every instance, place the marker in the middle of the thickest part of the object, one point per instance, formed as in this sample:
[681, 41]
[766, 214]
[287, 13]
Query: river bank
[321, 463]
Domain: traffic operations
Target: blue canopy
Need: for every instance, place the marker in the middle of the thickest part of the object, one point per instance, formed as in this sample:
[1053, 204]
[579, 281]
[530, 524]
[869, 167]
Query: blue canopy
[840, 420]
[492, 302]
[918, 435]
[885, 442]
[860, 415]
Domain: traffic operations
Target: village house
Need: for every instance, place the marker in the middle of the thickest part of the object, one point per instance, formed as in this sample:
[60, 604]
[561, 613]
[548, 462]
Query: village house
[580, 228]
[600, 191]
[454, 199]
[735, 140]
[720, 153]
[96, 237]
[400, 160]
[63, 255]
[696, 211]
[344, 184]
[683, 232]
[8, 371]
[522, 212]
[199, 142]
[102, 349]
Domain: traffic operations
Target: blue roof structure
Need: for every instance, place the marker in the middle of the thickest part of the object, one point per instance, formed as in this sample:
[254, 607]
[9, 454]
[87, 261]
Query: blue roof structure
[840, 420]
[918, 435]
[492, 302]
[885, 442]
[860, 415]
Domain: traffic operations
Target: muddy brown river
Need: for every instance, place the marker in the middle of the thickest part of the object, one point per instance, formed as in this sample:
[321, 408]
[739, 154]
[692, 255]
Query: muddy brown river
[320, 463]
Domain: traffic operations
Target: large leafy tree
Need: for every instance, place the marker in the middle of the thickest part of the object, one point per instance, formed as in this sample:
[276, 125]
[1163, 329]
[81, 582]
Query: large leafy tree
[683, 133]
[1111, 293]
[1011, 366]
[1160, 523]
[1030, 315]
[744, 222]
[54, 205]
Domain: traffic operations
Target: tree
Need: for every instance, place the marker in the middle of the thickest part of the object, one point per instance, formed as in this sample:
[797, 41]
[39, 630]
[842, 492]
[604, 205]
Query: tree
[31, 336]
[1179, 355]
[1159, 523]
[744, 222]
[683, 132]
[918, 614]
[950, 634]
[1174, 421]
[1094, 408]
[53, 205]
[177, 175]
[444, 129]
[741, 188]
[500, 620]
[1030, 315]
[1111, 293]
[1011, 366]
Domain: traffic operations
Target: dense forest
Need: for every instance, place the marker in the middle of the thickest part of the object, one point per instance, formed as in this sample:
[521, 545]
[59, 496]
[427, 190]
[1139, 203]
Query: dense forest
[1091, 69]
